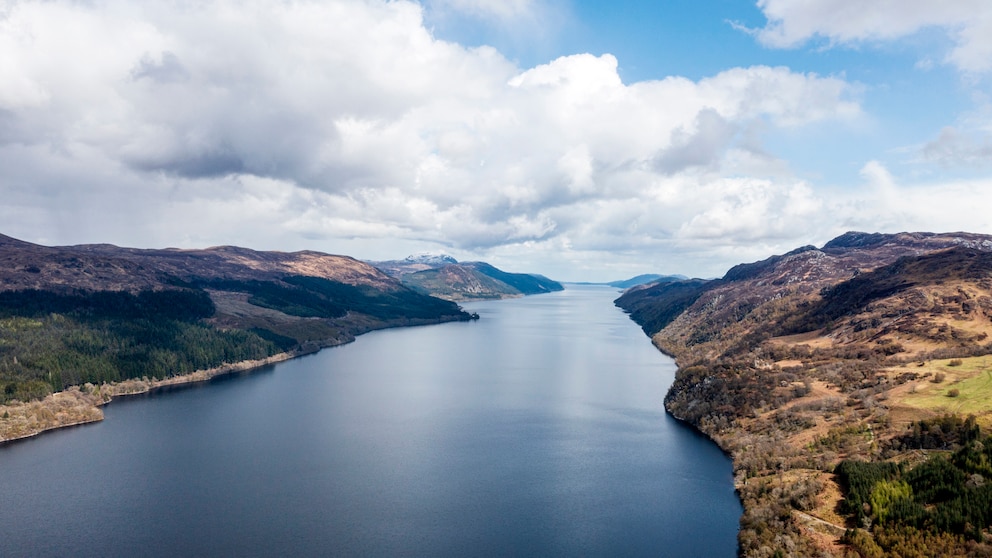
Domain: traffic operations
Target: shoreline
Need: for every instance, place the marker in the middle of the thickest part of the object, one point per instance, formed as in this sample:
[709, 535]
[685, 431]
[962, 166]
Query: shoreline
[81, 405]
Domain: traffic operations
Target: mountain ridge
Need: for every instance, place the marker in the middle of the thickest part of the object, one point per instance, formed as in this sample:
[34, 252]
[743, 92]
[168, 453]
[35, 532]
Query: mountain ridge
[444, 277]
[799, 362]
[103, 316]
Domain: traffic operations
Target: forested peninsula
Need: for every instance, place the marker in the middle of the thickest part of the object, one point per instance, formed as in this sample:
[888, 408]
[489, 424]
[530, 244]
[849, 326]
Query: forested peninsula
[82, 324]
[852, 386]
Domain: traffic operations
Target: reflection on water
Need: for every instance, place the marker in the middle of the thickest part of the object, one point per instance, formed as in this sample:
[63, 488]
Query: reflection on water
[538, 430]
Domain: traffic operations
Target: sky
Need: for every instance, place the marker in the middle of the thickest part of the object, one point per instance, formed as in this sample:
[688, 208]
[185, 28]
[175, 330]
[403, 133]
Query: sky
[586, 141]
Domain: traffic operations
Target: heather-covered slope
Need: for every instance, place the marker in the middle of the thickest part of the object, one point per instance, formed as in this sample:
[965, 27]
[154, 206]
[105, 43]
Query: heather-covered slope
[798, 362]
[99, 314]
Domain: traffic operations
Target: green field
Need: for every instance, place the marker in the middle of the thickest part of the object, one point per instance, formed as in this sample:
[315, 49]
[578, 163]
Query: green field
[972, 380]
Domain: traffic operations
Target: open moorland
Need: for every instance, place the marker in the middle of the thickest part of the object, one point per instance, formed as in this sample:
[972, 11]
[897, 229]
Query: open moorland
[850, 384]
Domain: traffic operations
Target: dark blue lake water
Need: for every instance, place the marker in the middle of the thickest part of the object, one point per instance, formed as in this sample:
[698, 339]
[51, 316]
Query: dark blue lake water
[537, 431]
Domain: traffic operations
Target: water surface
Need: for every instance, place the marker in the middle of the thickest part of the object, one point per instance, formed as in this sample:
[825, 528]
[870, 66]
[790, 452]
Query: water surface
[538, 430]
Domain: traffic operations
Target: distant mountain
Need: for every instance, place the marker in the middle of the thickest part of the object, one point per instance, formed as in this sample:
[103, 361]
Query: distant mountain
[833, 360]
[444, 277]
[413, 264]
[434, 260]
[646, 279]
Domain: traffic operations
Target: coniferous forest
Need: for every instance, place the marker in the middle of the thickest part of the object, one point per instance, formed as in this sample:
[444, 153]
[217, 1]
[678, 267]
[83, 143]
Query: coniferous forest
[942, 504]
[50, 341]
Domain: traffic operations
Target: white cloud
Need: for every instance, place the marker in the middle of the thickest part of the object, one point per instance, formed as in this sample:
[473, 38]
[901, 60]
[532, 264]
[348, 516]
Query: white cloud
[967, 22]
[337, 124]
[889, 205]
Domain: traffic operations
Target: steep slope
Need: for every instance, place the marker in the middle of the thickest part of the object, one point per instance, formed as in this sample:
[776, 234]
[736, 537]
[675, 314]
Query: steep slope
[414, 263]
[458, 282]
[444, 277]
[522, 283]
[90, 314]
[799, 361]
[646, 279]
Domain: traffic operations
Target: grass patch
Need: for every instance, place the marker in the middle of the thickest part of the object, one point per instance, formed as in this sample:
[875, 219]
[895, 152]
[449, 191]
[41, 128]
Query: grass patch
[971, 380]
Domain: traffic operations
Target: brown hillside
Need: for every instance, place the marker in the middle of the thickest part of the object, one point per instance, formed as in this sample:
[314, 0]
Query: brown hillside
[798, 361]
[106, 267]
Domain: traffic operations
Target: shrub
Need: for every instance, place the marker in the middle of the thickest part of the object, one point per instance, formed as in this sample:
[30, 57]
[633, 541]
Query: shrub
[938, 377]
[955, 362]
[953, 393]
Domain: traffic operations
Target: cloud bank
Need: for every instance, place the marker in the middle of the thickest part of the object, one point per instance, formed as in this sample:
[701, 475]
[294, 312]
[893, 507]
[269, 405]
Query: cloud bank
[346, 126]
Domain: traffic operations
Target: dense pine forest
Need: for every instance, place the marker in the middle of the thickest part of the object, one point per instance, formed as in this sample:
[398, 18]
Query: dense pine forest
[942, 505]
[50, 341]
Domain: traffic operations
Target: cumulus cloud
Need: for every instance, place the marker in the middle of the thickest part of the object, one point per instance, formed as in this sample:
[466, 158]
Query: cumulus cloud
[968, 23]
[338, 124]
[886, 204]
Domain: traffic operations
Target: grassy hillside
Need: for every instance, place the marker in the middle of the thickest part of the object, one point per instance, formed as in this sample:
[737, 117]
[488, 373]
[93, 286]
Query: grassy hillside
[522, 283]
[645, 279]
[50, 341]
